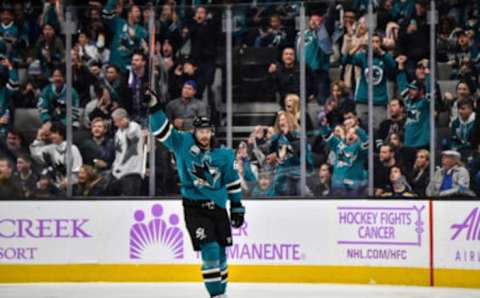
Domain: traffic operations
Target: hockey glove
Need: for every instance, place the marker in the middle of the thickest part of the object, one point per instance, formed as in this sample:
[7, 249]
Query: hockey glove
[237, 214]
[154, 103]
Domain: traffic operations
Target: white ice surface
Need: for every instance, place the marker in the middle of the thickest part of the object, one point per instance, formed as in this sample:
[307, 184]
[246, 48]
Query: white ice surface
[236, 290]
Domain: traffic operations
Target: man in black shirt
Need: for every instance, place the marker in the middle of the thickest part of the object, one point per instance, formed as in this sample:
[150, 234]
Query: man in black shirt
[99, 150]
[393, 125]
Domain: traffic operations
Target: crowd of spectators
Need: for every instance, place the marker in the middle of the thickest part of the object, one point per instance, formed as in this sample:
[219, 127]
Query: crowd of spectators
[112, 70]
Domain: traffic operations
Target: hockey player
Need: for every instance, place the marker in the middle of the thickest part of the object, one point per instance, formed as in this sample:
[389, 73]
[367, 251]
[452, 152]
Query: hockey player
[208, 177]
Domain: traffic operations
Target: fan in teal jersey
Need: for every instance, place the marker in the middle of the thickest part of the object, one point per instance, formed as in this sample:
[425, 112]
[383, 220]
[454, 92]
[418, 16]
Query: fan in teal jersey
[383, 64]
[209, 177]
[285, 148]
[417, 106]
[53, 100]
[350, 145]
[128, 35]
[318, 49]
[8, 85]
[8, 29]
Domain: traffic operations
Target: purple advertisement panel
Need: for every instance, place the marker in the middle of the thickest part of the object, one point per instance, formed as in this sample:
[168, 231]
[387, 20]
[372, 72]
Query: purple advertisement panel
[383, 232]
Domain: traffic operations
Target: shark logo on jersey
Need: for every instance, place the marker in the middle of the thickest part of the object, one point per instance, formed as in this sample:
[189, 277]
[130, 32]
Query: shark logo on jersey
[204, 174]
[344, 158]
[377, 74]
[413, 116]
[131, 149]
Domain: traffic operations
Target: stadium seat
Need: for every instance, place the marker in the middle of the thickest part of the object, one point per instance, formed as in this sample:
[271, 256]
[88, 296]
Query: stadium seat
[447, 86]
[444, 71]
[255, 79]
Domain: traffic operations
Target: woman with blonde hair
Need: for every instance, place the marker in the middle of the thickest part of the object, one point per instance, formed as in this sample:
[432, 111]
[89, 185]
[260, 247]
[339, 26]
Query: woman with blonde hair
[420, 176]
[354, 39]
[292, 106]
[90, 184]
[285, 153]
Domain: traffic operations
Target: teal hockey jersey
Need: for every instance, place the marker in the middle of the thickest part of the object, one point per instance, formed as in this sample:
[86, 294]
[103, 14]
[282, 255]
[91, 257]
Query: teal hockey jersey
[126, 38]
[417, 125]
[7, 91]
[349, 166]
[52, 105]
[204, 174]
[381, 67]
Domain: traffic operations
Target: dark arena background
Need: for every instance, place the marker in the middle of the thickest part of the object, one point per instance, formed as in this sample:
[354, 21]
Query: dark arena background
[354, 127]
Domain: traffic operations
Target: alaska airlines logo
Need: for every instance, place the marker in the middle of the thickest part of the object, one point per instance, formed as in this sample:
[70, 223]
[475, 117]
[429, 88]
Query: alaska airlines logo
[157, 239]
[471, 226]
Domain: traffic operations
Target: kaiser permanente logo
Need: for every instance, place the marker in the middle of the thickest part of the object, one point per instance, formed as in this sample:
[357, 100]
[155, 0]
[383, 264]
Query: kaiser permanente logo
[154, 238]
[246, 248]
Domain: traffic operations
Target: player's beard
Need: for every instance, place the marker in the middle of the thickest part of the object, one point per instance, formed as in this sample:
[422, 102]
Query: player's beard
[204, 143]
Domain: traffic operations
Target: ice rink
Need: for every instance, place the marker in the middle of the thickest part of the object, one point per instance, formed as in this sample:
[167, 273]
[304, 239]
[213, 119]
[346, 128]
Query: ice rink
[236, 290]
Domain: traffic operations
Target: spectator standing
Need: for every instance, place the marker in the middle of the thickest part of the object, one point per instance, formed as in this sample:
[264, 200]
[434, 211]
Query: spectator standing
[116, 85]
[285, 151]
[292, 106]
[350, 145]
[414, 31]
[353, 41]
[100, 107]
[394, 124]
[285, 75]
[203, 36]
[338, 103]
[138, 82]
[9, 33]
[272, 36]
[127, 168]
[185, 71]
[48, 50]
[128, 34]
[82, 79]
[318, 49]
[417, 125]
[169, 23]
[464, 58]
[383, 64]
